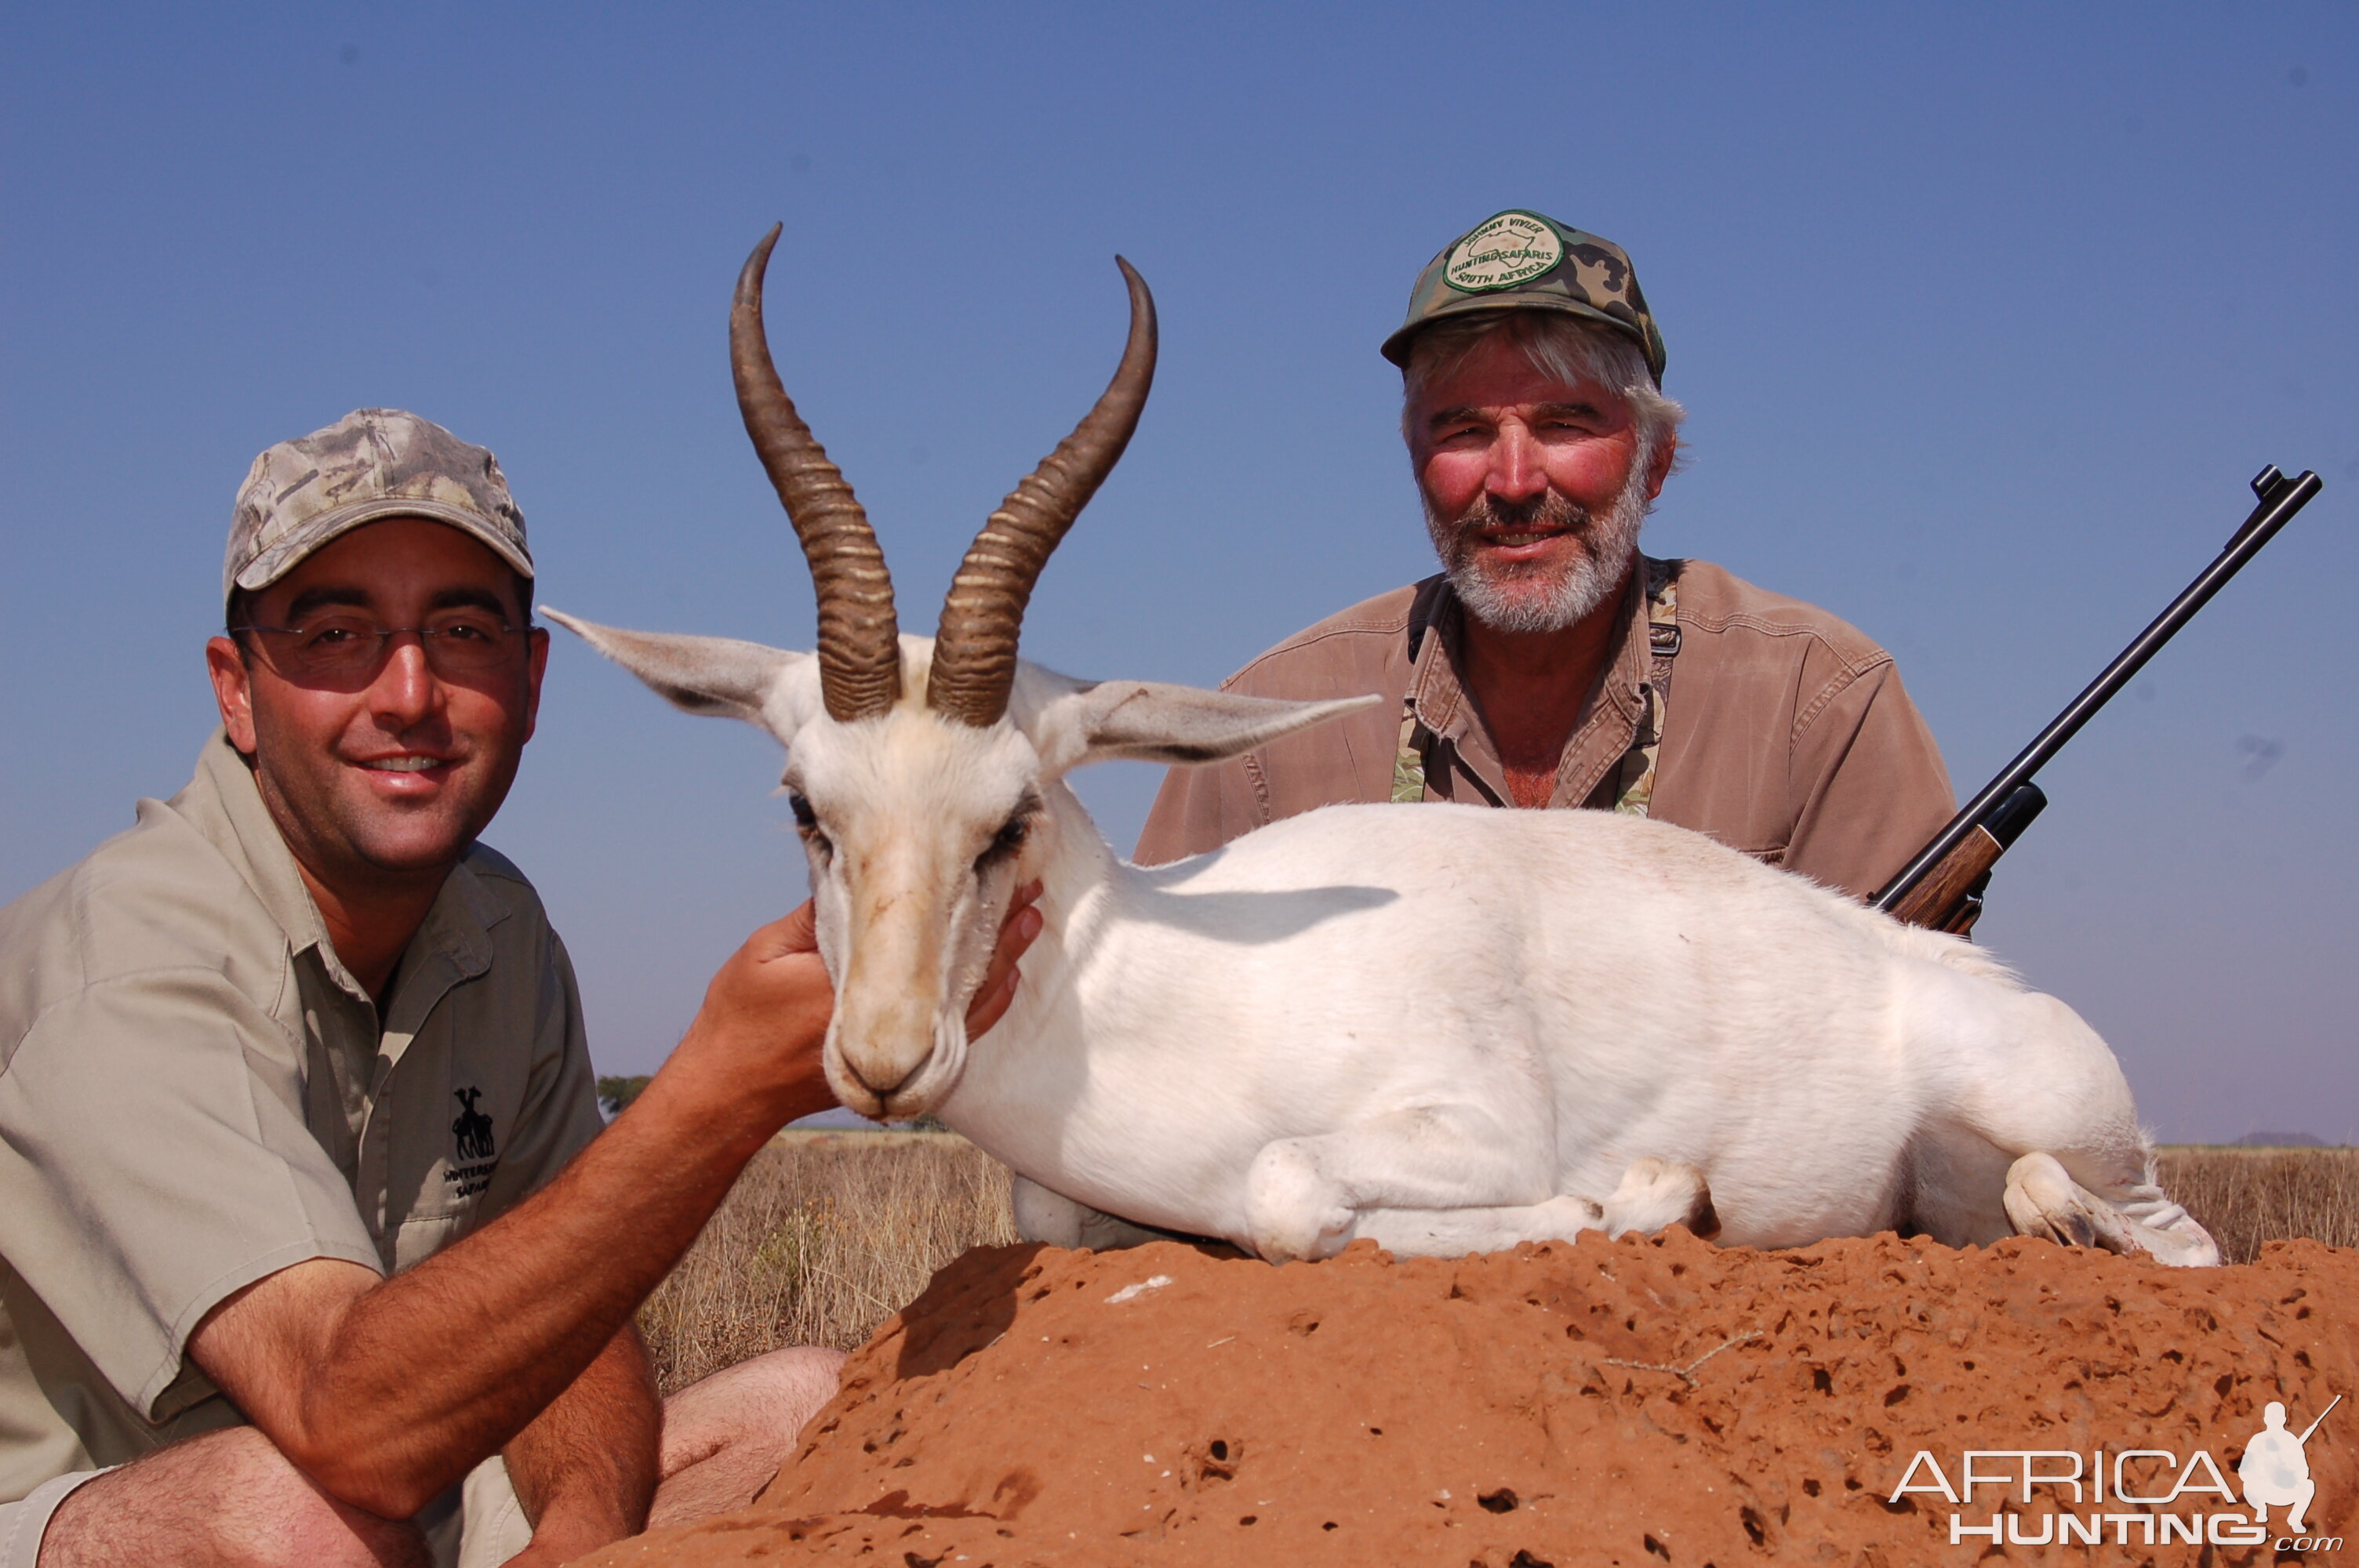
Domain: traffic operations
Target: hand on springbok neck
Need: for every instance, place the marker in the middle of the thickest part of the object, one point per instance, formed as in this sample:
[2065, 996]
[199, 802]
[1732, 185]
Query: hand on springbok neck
[1441, 1028]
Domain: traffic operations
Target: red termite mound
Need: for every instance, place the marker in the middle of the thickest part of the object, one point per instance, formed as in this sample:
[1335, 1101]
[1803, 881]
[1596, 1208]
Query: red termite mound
[1649, 1403]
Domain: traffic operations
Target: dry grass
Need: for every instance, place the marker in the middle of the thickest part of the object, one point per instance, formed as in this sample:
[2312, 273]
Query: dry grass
[826, 1236]
[821, 1239]
[2246, 1197]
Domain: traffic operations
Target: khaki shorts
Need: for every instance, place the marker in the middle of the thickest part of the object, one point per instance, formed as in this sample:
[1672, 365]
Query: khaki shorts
[476, 1524]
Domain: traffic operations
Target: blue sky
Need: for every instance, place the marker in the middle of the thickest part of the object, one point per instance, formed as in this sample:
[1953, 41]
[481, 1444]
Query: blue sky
[1984, 316]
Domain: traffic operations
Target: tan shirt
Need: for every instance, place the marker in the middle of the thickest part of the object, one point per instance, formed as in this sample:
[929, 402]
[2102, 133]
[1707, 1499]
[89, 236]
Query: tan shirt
[1786, 733]
[194, 1092]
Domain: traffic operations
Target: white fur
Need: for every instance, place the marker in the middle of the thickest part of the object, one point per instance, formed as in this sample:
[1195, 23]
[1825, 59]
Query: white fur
[1447, 1028]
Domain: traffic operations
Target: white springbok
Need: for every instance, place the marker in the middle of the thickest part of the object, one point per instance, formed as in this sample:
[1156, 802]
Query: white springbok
[1446, 1028]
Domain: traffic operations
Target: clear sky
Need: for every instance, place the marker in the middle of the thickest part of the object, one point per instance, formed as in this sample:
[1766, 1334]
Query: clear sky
[1984, 315]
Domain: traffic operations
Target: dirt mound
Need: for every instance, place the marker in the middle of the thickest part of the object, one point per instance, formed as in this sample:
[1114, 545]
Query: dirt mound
[1648, 1402]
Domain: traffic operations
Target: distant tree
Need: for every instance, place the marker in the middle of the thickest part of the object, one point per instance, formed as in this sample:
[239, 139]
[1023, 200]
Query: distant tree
[928, 1122]
[614, 1095]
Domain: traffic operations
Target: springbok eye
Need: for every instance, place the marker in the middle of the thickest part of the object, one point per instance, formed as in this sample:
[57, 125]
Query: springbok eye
[1006, 842]
[807, 823]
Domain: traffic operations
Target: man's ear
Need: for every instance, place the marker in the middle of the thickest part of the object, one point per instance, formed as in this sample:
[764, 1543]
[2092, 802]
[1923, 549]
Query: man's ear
[1148, 721]
[232, 691]
[1660, 468]
[718, 676]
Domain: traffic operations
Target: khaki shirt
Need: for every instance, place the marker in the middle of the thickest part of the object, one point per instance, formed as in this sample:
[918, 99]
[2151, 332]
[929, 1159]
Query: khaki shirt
[1786, 733]
[194, 1092]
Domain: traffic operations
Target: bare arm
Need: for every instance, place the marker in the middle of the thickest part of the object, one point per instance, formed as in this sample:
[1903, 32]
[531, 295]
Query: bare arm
[586, 1467]
[385, 1391]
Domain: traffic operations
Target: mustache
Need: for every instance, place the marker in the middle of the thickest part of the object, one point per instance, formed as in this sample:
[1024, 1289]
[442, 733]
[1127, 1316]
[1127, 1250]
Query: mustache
[1550, 510]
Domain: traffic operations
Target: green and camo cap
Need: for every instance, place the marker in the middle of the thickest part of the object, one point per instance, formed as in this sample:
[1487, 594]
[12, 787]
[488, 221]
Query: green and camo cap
[372, 464]
[1524, 261]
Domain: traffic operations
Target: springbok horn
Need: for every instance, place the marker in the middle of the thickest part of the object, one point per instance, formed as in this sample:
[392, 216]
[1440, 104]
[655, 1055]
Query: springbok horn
[974, 655]
[859, 643]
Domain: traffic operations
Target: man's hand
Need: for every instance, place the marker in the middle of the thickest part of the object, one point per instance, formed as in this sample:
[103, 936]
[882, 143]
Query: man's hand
[997, 992]
[758, 1036]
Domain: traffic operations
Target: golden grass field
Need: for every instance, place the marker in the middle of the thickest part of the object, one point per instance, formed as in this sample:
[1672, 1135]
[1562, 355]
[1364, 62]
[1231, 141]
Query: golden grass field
[826, 1235]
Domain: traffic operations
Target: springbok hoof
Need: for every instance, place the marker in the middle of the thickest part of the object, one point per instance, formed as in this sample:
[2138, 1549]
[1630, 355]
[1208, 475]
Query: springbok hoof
[1655, 1194]
[1292, 1210]
[2043, 1199]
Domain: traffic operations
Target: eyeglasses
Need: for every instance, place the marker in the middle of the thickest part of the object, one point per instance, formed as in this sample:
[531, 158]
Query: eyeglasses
[348, 647]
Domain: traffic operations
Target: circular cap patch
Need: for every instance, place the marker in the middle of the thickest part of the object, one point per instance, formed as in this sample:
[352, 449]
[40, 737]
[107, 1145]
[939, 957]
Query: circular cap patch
[1512, 248]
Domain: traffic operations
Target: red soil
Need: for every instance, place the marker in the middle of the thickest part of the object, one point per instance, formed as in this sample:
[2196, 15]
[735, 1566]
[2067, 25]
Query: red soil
[1648, 1402]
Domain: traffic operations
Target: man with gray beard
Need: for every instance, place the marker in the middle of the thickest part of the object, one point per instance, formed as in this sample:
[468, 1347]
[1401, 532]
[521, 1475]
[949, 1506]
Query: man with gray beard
[1537, 669]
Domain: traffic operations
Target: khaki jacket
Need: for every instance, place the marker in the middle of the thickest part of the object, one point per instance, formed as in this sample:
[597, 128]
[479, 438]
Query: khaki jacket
[1786, 733]
[195, 1093]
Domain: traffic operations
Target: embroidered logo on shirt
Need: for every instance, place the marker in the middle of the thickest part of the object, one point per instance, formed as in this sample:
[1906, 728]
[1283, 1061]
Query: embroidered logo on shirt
[474, 1128]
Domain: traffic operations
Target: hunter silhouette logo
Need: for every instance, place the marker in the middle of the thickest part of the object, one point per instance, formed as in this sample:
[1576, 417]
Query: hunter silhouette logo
[2274, 1469]
[474, 1128]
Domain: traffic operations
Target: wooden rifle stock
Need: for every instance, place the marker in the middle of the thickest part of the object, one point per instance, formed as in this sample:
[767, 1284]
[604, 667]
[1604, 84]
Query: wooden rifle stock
[1941, 886]
[1949, 897]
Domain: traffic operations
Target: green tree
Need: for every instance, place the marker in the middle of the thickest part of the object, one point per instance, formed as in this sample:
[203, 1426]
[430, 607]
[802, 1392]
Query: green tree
[615, 1094]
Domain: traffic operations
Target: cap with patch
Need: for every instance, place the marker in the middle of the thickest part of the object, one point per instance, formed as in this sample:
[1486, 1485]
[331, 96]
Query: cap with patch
[1524, 261]
[372, 464]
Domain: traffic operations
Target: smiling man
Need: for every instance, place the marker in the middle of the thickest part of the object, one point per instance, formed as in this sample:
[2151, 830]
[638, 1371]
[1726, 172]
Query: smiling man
[308, 1255]
[1538, 669]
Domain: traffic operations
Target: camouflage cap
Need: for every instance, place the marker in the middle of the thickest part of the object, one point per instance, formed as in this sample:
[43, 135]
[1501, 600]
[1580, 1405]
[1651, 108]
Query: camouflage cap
[1523, 261]
[372, 464]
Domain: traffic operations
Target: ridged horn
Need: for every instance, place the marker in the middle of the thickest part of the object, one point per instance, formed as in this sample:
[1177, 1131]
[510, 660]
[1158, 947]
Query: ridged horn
[975, 655]
[859, 643]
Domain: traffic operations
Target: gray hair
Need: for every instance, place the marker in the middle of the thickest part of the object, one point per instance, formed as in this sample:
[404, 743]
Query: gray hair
[1558, 344]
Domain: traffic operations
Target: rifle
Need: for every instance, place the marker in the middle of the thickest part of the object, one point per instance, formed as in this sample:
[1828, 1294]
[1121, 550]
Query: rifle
[1942, 886]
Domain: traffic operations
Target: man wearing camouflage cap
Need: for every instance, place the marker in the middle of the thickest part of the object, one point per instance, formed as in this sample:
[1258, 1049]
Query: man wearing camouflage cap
[1538, 669]
[306, 1253]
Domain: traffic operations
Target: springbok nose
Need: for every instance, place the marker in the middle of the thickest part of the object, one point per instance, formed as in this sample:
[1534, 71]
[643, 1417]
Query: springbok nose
[882, 1091]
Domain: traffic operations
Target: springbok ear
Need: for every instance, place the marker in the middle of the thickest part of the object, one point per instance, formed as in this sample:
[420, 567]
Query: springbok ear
[702, 675]
[1148, 721]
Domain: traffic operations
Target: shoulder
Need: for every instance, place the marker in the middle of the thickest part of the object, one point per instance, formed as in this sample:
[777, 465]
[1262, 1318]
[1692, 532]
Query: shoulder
[501, 877]
[526, 952]
[1719, 604]
[160, 897]
[1367, 635]
[155, 897]
[507, 904]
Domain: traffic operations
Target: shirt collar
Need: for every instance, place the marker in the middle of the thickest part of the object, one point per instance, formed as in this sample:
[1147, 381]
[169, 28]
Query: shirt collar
[227, 804]
[1443, 707]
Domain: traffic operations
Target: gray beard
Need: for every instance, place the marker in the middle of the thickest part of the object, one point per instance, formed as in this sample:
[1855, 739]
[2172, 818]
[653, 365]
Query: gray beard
[1535, 598]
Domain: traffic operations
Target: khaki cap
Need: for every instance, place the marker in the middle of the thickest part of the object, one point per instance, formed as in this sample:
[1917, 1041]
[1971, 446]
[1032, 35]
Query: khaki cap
[1519, 260]
[372, 464]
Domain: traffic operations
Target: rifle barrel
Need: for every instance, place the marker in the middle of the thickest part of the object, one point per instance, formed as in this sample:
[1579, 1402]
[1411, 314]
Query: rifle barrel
[2279, 499]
